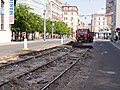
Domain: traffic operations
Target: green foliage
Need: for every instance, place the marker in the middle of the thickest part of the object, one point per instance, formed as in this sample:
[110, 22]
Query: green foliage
[49, 26]
[61, 28]
[26, 21]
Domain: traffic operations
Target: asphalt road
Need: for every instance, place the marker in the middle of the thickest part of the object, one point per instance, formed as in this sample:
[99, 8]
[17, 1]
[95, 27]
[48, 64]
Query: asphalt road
[101, 71]
[105, 69]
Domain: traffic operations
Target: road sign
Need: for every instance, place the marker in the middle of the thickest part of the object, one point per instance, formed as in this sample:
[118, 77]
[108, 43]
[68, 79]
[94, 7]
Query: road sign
[11, 11]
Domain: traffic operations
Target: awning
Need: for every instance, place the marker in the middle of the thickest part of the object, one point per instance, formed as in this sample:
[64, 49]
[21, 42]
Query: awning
[103, 32]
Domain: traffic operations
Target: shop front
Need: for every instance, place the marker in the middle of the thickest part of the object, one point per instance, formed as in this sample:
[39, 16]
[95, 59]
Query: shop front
[103, 34]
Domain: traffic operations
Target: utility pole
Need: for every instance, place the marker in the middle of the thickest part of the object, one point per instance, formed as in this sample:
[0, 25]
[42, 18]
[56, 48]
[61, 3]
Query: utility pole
[52, 28]
[44, 25]
[45, 11]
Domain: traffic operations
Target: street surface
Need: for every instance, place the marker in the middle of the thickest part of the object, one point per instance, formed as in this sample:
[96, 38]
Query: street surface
[104, 70]
[101, 72]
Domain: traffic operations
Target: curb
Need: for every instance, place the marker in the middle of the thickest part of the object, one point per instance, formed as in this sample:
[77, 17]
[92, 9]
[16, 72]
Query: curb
[21, 42]
[115, 45]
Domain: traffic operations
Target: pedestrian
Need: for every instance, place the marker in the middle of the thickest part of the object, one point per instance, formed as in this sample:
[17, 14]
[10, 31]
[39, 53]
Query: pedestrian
[116, 38]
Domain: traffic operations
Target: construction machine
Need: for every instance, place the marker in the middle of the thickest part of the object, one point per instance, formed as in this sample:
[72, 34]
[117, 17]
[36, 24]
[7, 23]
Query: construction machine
[84, 38]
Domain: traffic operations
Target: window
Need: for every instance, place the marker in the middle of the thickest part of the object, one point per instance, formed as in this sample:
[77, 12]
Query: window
[103, 18]
[65, 18]
[65, 13]
[71, 13]
[71, 18]
[70, 8]
[98, 23]
[94, 23]
[71, 24]
[53, 4]
[65, 8]
[103, 23]
[99, 18]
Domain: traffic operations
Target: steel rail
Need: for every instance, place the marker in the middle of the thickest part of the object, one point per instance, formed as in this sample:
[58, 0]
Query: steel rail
[26, 59]
[47, 86]
[34, 69]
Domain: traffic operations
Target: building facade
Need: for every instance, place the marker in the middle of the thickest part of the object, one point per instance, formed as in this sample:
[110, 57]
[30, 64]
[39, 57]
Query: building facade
[5, 18]
[55, 9]
[109, 12]
[114, 6]
[99, 24]
[37, 6]
[109, 4]
[115, 14]
[70, 16]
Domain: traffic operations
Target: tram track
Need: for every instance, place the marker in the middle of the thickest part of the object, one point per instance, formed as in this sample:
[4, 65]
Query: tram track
[22, 57]
[19, 67]
[61, 78]
[40, 75]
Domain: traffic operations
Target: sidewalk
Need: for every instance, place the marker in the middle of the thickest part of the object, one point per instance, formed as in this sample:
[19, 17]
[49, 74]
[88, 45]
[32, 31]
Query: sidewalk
[116, 44]
[15, 48]
[21, 42]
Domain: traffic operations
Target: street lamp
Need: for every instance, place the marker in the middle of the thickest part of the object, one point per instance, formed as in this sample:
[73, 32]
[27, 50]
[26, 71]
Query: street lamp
[44, 25]
[52, 28]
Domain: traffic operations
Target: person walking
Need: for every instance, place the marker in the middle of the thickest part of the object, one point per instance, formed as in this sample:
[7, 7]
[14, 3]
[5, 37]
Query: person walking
[116, 38]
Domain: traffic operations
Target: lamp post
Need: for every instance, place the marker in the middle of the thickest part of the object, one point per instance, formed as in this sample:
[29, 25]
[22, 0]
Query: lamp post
[52, 28]
[44, 25]
[45, 12]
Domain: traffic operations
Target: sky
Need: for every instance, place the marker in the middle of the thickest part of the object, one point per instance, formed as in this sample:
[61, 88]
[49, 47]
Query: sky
[87, 7]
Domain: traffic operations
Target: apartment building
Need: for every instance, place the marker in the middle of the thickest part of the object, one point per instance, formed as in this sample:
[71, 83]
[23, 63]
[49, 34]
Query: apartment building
[55, 9]
[99, 24]
[70, 16]
[37, 6]
[109, 12]
[115, 14]
[109, 4]
[113, 8]
[6, 18]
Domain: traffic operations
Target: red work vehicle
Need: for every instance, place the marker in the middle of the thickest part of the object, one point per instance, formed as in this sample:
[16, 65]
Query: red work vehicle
[84, 38]
[84, 35]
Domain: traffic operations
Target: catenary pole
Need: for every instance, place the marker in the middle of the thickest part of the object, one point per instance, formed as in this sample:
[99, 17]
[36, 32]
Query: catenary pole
[44, 24]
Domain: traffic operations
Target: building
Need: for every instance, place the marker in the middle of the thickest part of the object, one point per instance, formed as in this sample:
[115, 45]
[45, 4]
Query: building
[55, 9]
[37, 6]
[99, 24]
[109, 12]
[6, 18]
[70, 16]
[85, 22]
[115, 22]
[109, 4]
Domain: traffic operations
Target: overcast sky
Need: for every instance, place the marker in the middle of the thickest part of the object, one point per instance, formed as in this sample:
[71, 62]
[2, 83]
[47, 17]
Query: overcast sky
[87, 6]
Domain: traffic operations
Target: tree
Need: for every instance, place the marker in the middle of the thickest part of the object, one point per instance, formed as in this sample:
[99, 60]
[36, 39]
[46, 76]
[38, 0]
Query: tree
[26, 21]
[49, 25]
[61, 28]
